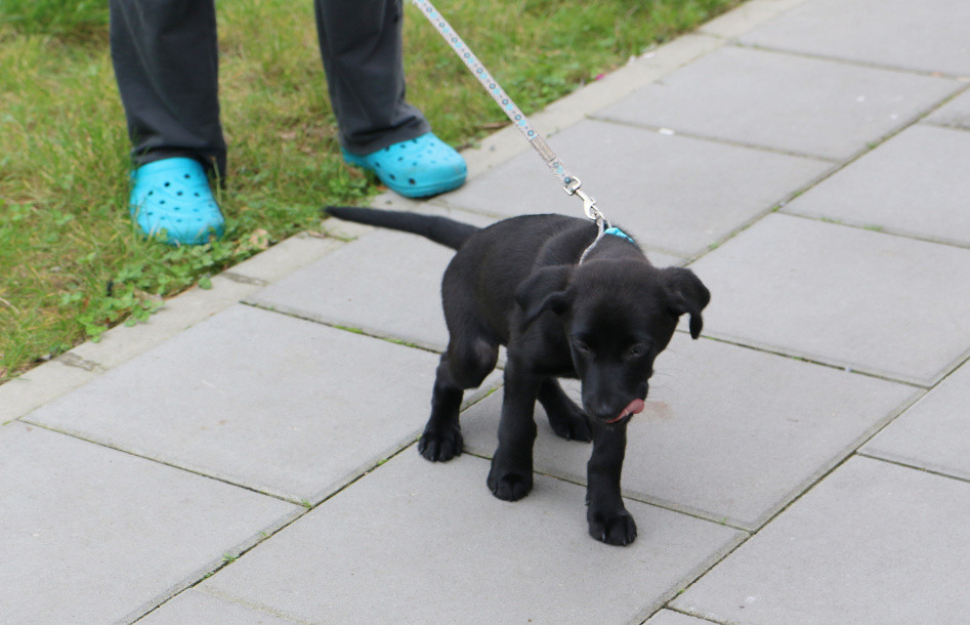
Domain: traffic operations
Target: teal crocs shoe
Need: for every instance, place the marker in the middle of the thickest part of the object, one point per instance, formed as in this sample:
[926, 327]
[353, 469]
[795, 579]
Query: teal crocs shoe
[417, 168]
[173, 196]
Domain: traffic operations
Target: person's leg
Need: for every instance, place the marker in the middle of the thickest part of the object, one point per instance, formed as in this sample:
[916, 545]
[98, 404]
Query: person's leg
[165, 58]
[361, 46]
[166, 63]
[360, 43]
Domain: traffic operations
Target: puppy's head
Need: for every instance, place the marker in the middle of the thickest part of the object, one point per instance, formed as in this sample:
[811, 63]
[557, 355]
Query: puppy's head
[617, 317]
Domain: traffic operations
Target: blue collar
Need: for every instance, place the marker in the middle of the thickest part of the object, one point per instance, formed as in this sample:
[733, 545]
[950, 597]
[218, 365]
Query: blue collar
[612, 230]
[619, 233]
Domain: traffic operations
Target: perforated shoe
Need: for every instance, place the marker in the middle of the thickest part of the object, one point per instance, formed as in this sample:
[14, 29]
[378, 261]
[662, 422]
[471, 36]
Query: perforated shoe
[171, 199]
[416, 168]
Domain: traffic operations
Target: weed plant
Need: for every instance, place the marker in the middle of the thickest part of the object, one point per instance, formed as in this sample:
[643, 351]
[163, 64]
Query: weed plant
[71, 264]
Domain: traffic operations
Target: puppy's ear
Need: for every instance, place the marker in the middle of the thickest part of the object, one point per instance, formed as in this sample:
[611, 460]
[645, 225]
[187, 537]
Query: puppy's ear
[687, 294]
[546, 289]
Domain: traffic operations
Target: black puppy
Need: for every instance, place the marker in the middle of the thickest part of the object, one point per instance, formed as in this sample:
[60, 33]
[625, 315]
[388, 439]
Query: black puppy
[520, 283]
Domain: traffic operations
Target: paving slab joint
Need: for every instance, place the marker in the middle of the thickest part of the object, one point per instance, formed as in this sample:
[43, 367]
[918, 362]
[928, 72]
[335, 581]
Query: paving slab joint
[704, 619]
[242, 279]
[841, 60]
[215, 565]
[253, 605]
[942, 124]
[70, 359]
[746, 17]
[603, 119]
[908, 464]
[692, 576]
[344, 231]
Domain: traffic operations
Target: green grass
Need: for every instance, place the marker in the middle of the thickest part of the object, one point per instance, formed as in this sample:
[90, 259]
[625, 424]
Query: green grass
[71, 264]
[77, 19]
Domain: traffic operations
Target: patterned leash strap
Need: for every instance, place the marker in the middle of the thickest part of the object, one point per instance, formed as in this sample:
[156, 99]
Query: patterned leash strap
[571, 184]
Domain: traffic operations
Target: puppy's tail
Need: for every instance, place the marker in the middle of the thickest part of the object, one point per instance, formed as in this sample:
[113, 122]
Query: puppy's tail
[442, 230]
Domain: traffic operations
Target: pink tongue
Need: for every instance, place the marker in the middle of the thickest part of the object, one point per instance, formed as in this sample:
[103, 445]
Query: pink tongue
[636, 407]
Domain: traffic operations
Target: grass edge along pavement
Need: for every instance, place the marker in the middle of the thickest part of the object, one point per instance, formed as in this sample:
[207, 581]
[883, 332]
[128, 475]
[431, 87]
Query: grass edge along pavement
[71, 264]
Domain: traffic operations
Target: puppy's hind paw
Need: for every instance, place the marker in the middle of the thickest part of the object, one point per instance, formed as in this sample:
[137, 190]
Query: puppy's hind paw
[566, 418]
[575, 427]
[438, 446]
[617, 528]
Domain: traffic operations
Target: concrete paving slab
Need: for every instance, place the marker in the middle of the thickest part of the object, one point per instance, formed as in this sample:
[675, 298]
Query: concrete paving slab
[747, 16]
[932, 434]
[277, 404]
[784, 102]
[955, 113]
[674, 194]
[196, 606]
[386, 283]
[873, 543]
[916, 184]
[844, 296]
[928, 36]
[88, 361]
[42, 384]
[283, 258]
[729, 433]
[669, 617]
[501, 146]
[424, 543]
[639, 71]
[93, 535]
[122, 343]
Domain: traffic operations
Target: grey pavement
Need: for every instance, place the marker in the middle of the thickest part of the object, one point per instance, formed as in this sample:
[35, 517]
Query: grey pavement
[248, 455]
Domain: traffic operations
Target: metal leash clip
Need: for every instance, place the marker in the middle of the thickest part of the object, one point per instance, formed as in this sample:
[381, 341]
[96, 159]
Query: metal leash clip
[572, 187]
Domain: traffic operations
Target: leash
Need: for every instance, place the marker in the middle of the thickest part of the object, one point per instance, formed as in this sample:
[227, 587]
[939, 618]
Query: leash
[571, 184]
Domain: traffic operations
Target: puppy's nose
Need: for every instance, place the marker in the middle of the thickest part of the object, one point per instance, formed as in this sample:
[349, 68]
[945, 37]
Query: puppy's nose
[602, 410]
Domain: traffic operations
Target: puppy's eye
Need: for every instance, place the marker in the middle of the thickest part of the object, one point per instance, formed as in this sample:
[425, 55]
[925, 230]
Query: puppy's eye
[637, 351]
[583, 347]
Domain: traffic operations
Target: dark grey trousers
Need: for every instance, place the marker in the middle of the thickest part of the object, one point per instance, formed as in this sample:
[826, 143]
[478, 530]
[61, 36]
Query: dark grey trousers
[166, 61]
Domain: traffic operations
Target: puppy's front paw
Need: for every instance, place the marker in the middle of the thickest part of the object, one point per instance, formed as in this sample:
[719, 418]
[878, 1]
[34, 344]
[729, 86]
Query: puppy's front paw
[441, 446]
[509, 485]
[616, 527]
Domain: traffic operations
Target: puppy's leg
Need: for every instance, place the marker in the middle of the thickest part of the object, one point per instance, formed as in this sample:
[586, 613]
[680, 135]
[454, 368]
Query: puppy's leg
[462, 366]
[441, 440]
[566, 418]
[607, 516]
[510, 477]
